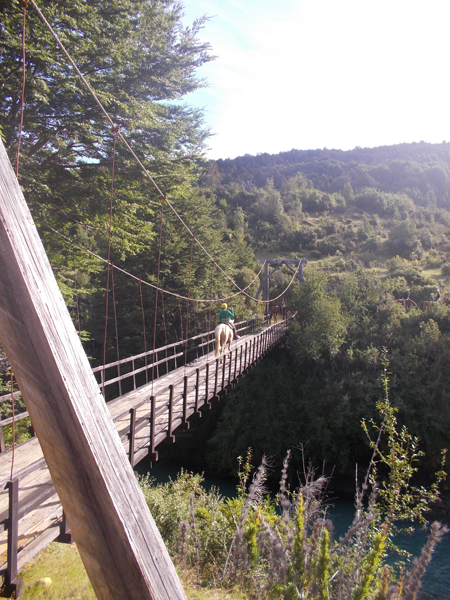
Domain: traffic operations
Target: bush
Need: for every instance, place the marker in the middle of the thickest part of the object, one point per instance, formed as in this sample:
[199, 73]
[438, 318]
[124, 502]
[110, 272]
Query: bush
[284, 549]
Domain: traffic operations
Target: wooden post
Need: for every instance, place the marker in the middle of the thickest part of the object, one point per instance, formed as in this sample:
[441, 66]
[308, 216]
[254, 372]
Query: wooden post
[185, 393]
[13, 584]
[197, 385]
[206, 400]
[65, 535]
[118, 541]
[170, 424]
[133, 412]
[152, 452]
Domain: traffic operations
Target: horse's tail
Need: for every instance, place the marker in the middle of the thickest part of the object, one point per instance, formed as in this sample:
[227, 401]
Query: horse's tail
[217, 336]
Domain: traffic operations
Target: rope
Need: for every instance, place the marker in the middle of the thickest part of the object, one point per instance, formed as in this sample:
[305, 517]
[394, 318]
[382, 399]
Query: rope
[13, 424]
[208, 328]
[109, 265]
[115, 314]
[77, 306]
[187, 303]
[156, 292]
[181, 316]
[23, 5]
[143, 315]
[214, 300]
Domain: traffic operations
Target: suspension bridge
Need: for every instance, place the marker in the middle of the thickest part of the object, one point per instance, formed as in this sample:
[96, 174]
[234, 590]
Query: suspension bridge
[93, 425]
[164, 391]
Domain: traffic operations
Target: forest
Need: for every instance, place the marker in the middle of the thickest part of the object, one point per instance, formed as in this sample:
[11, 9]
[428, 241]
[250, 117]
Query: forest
[371, 222]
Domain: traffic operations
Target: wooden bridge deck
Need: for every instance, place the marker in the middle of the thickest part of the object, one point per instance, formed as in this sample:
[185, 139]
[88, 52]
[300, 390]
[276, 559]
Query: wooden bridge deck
[144, 417]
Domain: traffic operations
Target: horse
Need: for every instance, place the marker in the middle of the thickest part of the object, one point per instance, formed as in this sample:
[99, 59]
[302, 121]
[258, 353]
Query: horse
[408, 303]
[285, 312]
[275, 311]
[223, 335]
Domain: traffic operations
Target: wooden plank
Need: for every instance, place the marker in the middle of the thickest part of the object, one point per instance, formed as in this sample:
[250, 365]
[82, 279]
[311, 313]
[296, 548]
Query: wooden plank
[118, 541]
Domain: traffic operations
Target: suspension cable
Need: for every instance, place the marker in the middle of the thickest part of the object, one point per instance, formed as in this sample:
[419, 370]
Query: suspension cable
[23, 6]
[143, 315]
[125, 142]
[157, 289]
[208, 328]
[109, 264]
[187, 303]
[98, 257]
[77, 305]
[115, 314]
[13, 427]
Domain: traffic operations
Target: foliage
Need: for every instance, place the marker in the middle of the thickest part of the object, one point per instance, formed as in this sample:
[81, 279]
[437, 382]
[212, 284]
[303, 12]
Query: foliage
[141, 61]
[286, 550]
[318, 385]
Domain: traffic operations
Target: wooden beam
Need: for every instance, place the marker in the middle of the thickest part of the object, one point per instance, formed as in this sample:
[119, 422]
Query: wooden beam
[120, 546]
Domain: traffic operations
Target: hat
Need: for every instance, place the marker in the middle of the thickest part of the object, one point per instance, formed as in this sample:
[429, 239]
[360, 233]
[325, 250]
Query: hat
[224, 305]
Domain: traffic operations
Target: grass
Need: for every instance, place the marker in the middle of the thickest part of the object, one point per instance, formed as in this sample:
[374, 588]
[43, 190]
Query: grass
[62, 563]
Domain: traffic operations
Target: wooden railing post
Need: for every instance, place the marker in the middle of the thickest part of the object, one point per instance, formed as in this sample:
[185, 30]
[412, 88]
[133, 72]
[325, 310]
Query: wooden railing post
[65, 536]
[197, 384]
[120, 381]
[206, 401]
[132, 435]
[102, 382]
[216, 376]
[185, 421]
[2, 441]
[240, 361]
[13, 584]
[224, 365]
[153, 453]
[170, 424]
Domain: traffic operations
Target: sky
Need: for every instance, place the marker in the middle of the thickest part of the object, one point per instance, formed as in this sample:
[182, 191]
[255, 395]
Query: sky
[310, 74]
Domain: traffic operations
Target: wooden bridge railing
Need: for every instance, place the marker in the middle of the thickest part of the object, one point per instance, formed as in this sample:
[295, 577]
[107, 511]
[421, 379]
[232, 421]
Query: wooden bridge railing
[193, 389]
[148, 366]
[150, 420]
[145, 367]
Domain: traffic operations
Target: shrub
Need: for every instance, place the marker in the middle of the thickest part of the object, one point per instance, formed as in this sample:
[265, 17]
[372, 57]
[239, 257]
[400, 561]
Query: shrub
[284, 549]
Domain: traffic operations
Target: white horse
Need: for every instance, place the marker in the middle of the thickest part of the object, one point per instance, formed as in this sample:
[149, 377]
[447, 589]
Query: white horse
[224, 335]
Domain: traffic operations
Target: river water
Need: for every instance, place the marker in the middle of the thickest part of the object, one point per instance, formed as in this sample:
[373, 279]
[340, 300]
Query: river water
[436, 581]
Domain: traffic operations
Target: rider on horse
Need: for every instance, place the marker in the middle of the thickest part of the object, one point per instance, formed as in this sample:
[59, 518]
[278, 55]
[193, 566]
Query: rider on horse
[225, 316]
[436, 297]
[405, 296]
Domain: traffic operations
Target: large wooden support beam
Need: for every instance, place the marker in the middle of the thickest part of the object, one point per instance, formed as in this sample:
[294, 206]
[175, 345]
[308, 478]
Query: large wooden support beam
[121, 548]
[265, 285]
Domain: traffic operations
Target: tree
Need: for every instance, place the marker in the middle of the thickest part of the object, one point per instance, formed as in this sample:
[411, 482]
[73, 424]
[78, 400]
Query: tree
[322, 327]
[140, 60]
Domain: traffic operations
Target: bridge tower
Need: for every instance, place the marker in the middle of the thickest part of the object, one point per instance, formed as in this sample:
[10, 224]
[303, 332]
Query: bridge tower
[265, 282]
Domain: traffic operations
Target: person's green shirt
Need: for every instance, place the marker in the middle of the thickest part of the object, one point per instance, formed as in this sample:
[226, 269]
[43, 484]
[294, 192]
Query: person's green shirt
[226, 315]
